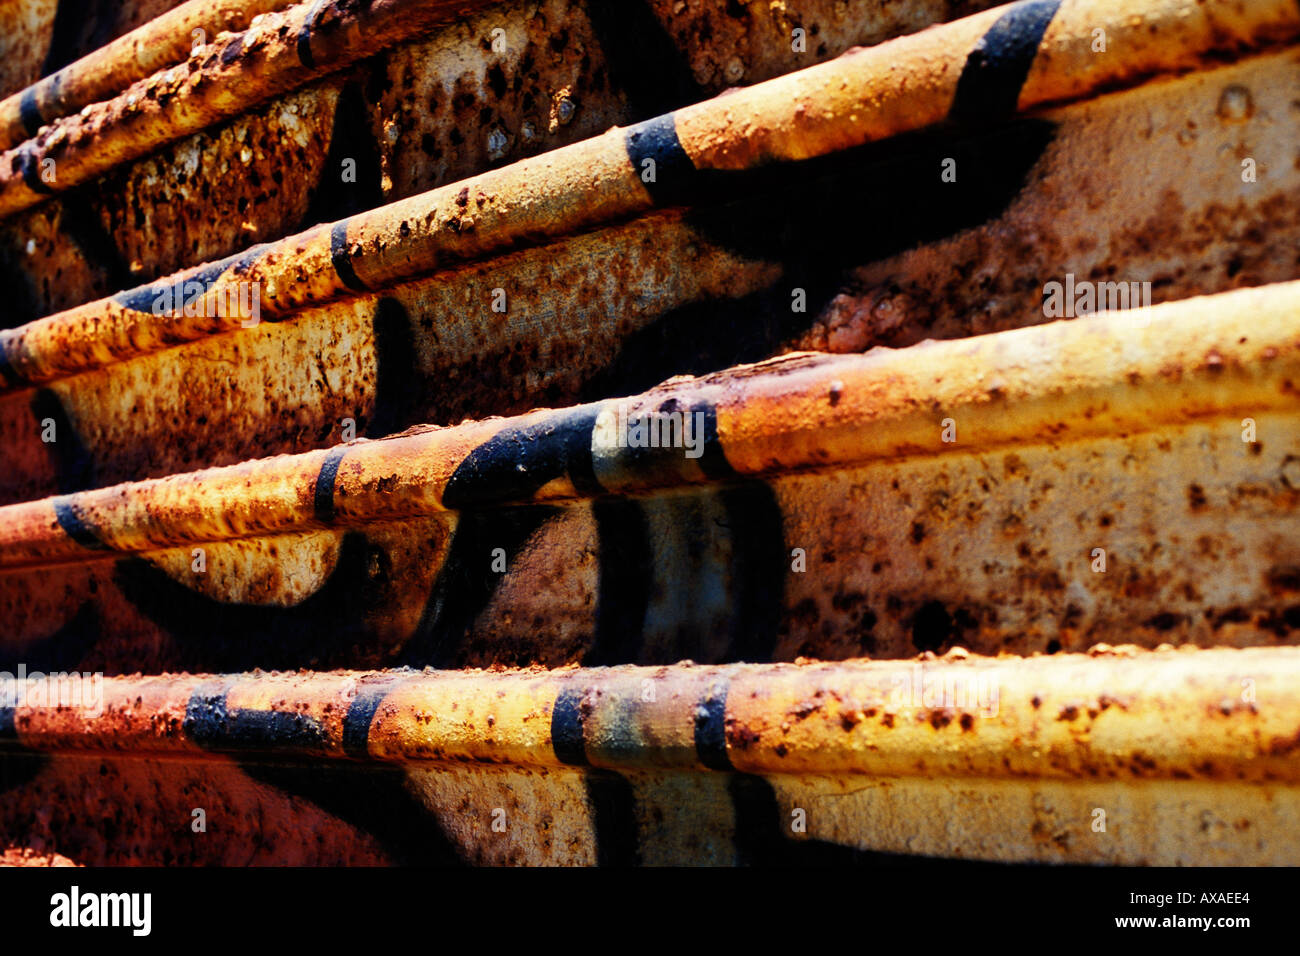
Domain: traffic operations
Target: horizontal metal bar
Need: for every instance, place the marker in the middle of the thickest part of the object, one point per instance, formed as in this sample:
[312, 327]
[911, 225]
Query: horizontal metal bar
[579, 308]
[1119, 714]
[571, 70]
[36, 38]
[1113, 373]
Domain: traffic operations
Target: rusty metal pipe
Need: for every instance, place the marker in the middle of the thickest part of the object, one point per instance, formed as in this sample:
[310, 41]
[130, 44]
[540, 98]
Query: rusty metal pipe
[1118, 714]
[1115, 373]
[220, 80]
[856, 99]
[104, 73]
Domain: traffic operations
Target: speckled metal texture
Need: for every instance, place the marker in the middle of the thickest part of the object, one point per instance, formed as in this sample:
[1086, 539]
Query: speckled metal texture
[1028, 490]
[604, 178]
[104, 72]
[517, 79]
[612, 764]
[39, 37]
[1038, 205]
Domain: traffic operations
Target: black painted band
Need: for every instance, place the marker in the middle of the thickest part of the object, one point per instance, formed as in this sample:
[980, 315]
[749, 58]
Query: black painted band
[31, 175]
[305, 55]
[711, 727]
[142, 298]
[361, 712]
[29, 112]
[74, 526]
[342, 259]
[995, 71]
[713, 460]
[323, 493]
[674, 173]
[579, 464]
[566, 727]
[210, 724]
[206, 716]
[514, 463]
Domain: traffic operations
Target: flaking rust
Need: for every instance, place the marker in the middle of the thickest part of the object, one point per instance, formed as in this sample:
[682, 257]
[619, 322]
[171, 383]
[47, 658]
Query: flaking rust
[35, 40]
[283, 51]
[101, 74]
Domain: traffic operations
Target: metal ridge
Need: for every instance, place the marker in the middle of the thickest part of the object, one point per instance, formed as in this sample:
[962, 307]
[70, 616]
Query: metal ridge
[1116, 373]
[1116, 713]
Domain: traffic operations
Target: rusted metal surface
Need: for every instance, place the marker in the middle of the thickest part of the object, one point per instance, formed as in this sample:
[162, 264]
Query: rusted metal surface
[1116, 714]
[106, 71]
[1112, 374]
[1102, 204]
[136, 811]
[1125, 432]
[1115, 484]
[609, 312]
[227, 77]
[38, 37]
[421, 114]
[821, 110]
[965, 732]
[218, 81]
[890, 571]
[599, 180]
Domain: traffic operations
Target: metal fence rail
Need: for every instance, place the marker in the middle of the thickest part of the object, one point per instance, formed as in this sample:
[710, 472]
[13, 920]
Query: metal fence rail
[1123, 756]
